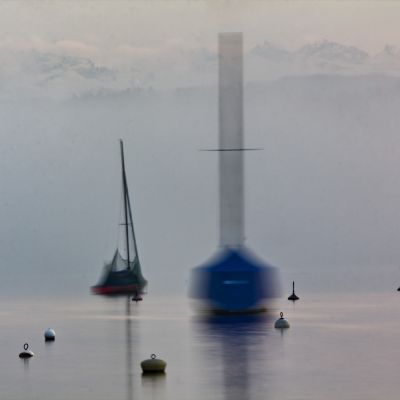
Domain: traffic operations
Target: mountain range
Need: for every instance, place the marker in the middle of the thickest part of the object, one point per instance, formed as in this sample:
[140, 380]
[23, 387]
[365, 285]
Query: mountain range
[322, 57]
[37, 73]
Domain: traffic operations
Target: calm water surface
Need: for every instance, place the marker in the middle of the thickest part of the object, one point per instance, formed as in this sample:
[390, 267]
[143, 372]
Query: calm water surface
[338, 347]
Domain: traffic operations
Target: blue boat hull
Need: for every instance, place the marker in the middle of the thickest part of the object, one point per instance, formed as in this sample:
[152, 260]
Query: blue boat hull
[235, 281]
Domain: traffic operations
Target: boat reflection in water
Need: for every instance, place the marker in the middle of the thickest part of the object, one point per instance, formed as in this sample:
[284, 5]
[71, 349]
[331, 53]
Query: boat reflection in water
[153, 384]
[239, 344]
[129, 377]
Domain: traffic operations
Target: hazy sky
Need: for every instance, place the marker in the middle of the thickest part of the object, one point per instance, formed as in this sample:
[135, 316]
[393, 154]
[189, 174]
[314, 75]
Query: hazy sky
[171, 43]
[366, 23]
[112, 27]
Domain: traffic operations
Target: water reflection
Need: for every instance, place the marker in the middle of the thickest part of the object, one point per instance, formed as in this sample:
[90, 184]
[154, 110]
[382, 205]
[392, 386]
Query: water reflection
[239, 344]
[129, 380]
[26, 363]
[154, 385]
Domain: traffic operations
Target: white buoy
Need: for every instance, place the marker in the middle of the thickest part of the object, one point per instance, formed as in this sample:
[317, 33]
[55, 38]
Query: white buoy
[49, 335]
[281, 323]
[26, 353]
[153, 365]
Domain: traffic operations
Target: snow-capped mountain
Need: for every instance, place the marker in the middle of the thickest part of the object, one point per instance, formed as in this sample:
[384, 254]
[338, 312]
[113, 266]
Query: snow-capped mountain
[388, 56]
[45, 74]
[57, 74]
[332, 52]
[56, 65]
[324, 57]
[318, 51]
[271, 52]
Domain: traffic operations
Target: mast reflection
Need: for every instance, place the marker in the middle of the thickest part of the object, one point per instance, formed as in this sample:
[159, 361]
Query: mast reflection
[239, 343]
[129, 379]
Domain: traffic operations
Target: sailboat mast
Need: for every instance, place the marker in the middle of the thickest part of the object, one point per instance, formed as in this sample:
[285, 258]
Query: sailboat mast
[125, 191]
[131, 219]
[231, 175]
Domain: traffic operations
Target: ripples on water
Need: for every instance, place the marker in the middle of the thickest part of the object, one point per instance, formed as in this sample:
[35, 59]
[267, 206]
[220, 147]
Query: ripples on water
[345, 347]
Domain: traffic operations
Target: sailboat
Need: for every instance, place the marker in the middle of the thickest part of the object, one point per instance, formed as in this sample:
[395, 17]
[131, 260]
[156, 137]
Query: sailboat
[123, 276]
[235, 280]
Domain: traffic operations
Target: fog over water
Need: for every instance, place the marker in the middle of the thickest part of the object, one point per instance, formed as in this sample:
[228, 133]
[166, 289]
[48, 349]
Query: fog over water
[321, 100]
[321, 198]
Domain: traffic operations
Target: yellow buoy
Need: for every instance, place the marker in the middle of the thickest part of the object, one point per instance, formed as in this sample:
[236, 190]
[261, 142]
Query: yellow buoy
[153, 365]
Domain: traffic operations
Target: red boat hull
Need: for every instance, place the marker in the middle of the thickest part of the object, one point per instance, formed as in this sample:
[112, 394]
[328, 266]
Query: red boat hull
[116, 290]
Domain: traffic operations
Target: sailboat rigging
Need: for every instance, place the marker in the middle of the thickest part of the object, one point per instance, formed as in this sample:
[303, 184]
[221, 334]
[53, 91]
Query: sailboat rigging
[123, 276]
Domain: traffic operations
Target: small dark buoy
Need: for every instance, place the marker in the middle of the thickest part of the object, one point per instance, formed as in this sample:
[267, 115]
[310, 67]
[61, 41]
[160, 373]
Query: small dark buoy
[293, 296]
[281, 323]
[398, 289]
[50, 335]
[26, 353]
[153, 365]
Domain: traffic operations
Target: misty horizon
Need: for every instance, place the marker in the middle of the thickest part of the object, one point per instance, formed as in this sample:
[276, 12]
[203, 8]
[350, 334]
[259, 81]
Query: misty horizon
[320, 200]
